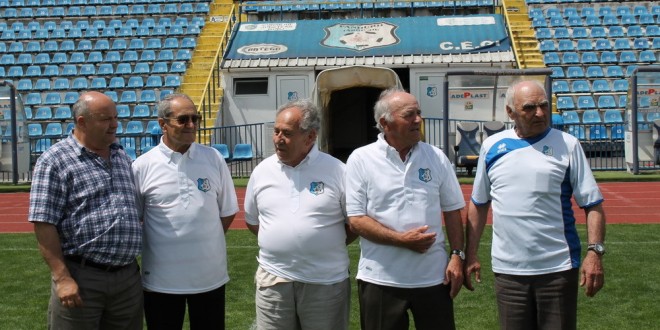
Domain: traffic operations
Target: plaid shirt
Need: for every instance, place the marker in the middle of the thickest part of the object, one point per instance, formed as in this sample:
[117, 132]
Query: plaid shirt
[90, 201]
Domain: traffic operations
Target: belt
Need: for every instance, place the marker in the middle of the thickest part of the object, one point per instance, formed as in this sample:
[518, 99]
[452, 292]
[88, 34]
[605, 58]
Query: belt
[84, 262]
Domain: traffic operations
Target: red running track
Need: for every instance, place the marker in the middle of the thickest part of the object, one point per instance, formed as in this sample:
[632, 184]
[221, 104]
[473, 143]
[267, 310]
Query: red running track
[625, 202]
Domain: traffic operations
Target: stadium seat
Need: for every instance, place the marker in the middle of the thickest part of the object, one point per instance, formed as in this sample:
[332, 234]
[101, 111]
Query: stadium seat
[646, 19]
[592, 20]
[154, 82]
[42, 145]
[53, 130]
[117, 82]
[595, 72]
[141, 68]
[620, 85]
[123, 111]
[622, 44]
[562, 33]
[141, 111]
[119, 44]
[154, 43]
[127, 141]
[543, 33]
[591, 117]
[614, 71]
[577, 131]
[613, 117]
[242, 152]
[112, 95]
[123, 69]
[223, 149]
[62, 113]
[580, 32]
[618, 132]
[147, 96]
[135, 82]
[598, 32]
[112, 56]
[607, 57]
[61, 84]
[586, 102]
[627, 56]
[87, 70]
[606, 102]
[547, 46]
[35, 130]
[634, 31]
[597, 132]
[178, 67]
[166, 55]
[43, 84]
[134, 127]
[467, 145]
[557, 121]
[584, 45]
[148, 55]
[160, 67]
[647, 56]
[573, 72]
[641, 43]
[551, 58]
[566, 45]
[24, 85]
[580, 86]
[128, 97]
[589, 58]
[615, 32]
[600, 86]
[43, 113]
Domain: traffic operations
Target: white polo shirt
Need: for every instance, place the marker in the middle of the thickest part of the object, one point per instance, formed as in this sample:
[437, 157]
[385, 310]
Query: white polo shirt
[401, 196]
[530, 183]
[301, 217]
[181, 199]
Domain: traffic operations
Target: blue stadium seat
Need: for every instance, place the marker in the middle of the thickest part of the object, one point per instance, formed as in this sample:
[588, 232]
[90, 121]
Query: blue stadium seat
[61, 84]
[42, 145]
[154, 82]
[87, 70]
[614, 71]
[165, 92]
[147, 96]
[53, 98]
[623, 100]
[183, 55]
[113, 56]
[589, 58]
[607, 57]
[622, 44]
[223, 150]
[130, 56]
[127, 141]
[35, 130]
[647, 56]
[242, 152]
[148, 55]
[62, 113]
[580, 86]
[117, 82]
[134, 127]
[172, 81]
[135, 82]
[178, 67]
[141, 111]
[112, 95]
[15, 72]
[635, 31]
[50, 46]
[623, 10]
[153, 128]
[592, 20]
[613, 117]
[547, 46]
[600, 86]
[618, 132]
[153, 43]
[7, 59]
[565, 103]
[570, 117]
[33, 47]
[620, 85]
[24, 85]
[598, 32]
[570, 58]
[160, 67]
[543, 33]
[42, 84]
[43, 113]
[584, 45]
[627, 56]
[551, 58]
[53, 130]
[628, 19]
[580, 33]
[606, 102]
[562, 33]
[166, 55]
[603, 44]
[123, 111]
[577, 131]
[591, 117]
[154, 9]
[539, 22]
[566, 45]
[92, 32]
[128, 97]
[98, 83]
[598, 132]
[646, 19]
[641, 43]
[560, 86]
[33, 71]
[119, 44]
[141, 68]
[123, 69]
[616, 31]
[586, 102]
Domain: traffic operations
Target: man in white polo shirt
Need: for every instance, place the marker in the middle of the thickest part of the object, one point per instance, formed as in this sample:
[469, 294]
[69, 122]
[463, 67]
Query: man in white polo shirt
[187, 201]
[398, 192]
[294, 203]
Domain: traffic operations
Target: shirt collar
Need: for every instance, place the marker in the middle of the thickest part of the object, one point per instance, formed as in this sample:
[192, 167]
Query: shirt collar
[312, 155]
[169, 153]
[78, 148]
[388, 149]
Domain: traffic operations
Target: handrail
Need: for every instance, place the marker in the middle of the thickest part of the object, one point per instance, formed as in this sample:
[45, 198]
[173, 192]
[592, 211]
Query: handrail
[516, 52]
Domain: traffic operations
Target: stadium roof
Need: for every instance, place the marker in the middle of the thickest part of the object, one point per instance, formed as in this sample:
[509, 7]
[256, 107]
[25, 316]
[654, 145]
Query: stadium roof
[403, 41]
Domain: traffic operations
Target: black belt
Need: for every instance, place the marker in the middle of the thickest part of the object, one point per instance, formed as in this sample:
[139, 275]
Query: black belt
[84, 262]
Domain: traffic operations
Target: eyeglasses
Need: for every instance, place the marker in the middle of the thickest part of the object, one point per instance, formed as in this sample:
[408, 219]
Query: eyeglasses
[184, 119]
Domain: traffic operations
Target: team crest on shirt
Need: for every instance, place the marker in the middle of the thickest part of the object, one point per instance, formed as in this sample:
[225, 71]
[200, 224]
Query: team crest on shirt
[203, 184]
[316, 188]
[547, 150]
[425, 174]
[501, 148]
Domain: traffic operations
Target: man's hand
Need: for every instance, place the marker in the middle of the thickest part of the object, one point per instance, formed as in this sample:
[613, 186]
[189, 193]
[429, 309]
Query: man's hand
[67, 291]
[417, 239]
[472, 265]
[454, 276]
[592, 275]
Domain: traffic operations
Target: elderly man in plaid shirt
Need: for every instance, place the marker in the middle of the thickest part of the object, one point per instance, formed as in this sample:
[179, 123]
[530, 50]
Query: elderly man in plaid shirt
[82, 204]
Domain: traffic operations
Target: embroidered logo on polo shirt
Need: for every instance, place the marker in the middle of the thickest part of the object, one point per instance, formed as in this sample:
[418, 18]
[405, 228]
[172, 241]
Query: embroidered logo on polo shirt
[501, 148]
[203, 184]
[547, 150]
[316, 188]
[425, 174]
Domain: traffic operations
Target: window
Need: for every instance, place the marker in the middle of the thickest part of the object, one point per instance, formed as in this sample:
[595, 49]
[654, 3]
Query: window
[251, 86]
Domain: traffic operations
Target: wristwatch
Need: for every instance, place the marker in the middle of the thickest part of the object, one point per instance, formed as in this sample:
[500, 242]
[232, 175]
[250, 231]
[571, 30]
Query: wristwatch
[599, 248]
[459, 253]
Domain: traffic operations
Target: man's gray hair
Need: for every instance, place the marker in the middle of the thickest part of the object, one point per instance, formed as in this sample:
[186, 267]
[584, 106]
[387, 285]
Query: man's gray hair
[511, 91]
[382, 108]
[81, 107]
[165, 105]
[311, 115]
